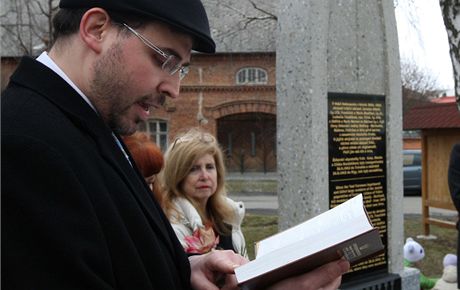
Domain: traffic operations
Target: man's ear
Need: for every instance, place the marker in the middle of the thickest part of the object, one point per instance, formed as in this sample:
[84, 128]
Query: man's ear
[94, 27]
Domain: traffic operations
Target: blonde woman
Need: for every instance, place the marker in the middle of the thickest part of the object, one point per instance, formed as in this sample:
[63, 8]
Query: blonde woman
[195, 200]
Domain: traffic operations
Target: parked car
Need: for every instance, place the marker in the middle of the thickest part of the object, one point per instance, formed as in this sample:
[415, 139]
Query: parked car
[412, 168]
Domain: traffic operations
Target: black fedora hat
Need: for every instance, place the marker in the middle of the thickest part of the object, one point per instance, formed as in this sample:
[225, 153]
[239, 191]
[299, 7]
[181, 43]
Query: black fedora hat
[186, 15]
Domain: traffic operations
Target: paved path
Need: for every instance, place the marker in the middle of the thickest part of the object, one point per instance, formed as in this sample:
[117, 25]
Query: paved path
[258, 203]
[268, 204]
[413, 205]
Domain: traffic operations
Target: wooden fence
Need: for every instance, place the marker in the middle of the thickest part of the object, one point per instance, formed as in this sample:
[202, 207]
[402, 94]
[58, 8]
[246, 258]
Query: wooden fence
[436, 148]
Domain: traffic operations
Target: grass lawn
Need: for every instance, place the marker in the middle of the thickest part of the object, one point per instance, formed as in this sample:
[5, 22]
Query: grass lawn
[257, 227]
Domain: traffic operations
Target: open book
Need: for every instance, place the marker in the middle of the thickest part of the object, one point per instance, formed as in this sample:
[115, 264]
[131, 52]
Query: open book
[344, 231]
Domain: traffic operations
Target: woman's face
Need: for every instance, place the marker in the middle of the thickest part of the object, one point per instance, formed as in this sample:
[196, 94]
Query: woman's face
[201, 181]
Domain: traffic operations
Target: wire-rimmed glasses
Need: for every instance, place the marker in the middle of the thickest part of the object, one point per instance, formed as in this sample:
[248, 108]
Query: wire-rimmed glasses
[195, 136]
[171, 63]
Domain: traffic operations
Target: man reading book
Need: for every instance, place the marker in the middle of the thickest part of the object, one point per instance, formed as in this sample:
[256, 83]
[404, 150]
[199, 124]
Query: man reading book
[76, 212]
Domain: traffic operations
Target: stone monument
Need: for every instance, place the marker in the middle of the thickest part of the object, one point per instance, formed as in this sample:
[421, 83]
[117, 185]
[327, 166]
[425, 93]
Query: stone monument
[339, 122]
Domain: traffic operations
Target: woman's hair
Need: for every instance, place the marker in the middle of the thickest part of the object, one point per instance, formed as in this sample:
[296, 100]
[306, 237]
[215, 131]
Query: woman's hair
[146, 155]
[180, 158]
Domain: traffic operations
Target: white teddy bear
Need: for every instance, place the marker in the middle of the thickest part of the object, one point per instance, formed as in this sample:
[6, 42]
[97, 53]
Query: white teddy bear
[448, 280]
[414, 253]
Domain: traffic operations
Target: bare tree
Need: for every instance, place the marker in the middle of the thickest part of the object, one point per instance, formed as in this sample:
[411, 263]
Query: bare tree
[26, 29]
[247, 25]
[416, 78]
[412, 12]
[418, 85]
[451, 15]
[26, 26]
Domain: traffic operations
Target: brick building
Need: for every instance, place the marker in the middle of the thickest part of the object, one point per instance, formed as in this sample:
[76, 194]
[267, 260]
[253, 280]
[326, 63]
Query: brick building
[230, 93]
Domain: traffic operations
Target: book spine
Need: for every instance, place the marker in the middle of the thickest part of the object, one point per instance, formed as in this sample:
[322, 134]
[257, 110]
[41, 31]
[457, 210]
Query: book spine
[361, 247]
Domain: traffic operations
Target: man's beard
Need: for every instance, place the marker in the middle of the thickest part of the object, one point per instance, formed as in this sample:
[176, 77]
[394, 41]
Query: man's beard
[122, 128]
[109, 91]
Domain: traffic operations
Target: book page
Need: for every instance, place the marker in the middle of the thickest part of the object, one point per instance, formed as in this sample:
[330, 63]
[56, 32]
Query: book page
[344, 231]
[304, 256]
[341, 221]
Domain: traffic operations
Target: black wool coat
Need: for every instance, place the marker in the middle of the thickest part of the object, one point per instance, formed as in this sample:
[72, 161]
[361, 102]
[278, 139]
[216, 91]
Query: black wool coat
[75, 213]
[453, 177]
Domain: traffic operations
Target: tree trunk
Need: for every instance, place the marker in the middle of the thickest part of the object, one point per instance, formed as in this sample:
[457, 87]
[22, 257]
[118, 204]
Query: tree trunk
[451, 15]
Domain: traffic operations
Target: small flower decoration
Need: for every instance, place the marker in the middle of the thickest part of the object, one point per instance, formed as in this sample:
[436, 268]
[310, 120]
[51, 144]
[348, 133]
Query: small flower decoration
[202, 241]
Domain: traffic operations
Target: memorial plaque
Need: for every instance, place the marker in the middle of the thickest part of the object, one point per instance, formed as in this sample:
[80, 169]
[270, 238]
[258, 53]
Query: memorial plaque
[357, 162]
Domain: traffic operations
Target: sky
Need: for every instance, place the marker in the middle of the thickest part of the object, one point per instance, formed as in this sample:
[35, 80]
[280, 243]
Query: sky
[425, 39]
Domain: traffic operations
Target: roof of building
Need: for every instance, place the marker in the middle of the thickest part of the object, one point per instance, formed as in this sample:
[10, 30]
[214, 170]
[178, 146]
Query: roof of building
[438, 114]
[444, 100]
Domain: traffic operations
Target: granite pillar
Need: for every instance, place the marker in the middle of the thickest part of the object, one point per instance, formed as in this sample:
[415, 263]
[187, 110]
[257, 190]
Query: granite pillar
[335, 46]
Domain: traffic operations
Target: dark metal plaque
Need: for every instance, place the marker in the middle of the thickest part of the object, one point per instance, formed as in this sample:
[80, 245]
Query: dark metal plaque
[357, 163]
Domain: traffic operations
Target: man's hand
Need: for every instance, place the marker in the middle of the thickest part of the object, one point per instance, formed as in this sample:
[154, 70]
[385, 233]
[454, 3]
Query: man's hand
[215, 270]
[326, 277]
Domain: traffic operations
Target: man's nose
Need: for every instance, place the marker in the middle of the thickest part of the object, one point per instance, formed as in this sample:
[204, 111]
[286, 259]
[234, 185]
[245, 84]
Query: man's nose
[171, 86]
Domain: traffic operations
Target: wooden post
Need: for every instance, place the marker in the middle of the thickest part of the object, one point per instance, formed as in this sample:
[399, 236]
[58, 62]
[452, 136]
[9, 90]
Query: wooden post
[425, 208]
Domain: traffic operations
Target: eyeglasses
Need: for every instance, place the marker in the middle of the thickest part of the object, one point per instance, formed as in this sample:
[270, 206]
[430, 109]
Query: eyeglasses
[205, 138]
[171, 64]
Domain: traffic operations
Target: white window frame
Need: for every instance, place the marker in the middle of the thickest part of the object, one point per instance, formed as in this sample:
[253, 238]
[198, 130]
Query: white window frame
[251, 76]
[153, 128]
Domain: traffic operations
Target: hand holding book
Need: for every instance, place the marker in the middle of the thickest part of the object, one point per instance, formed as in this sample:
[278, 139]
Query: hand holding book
[344, 231]
[325, 277]
[214, 270]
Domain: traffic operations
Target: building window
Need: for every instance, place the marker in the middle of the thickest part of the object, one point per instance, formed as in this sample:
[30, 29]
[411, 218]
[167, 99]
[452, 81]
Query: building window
[158, 132]
[251, 76]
